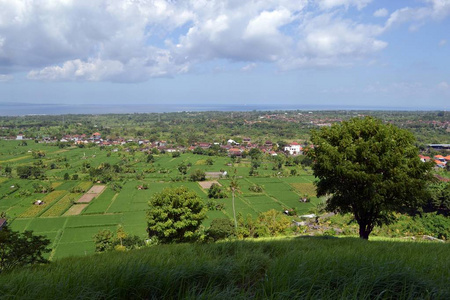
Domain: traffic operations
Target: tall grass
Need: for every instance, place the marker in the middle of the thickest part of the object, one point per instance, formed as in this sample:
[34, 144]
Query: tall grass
[297, 268]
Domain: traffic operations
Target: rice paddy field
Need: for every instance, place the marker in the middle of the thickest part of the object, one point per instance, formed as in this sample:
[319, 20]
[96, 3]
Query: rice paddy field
[70, 221]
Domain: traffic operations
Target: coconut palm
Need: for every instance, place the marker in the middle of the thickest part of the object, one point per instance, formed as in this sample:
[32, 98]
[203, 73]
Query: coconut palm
[234, 187]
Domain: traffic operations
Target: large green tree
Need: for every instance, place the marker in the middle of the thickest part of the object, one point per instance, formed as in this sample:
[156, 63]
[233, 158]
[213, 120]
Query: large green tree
[369, 169]
[21, 249]
[175, 215]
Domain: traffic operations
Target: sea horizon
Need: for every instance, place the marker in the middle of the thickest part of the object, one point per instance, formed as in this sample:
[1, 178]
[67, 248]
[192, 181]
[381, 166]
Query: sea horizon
[24, 109]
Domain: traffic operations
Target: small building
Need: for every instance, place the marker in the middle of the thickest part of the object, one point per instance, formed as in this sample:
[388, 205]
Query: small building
[19, 137]
[96, 136]
[204, 145]
[232, 142]
[293, 149]
[440, 146]
[424, 158]
[439, 163]
[440, 158]
[234, 152]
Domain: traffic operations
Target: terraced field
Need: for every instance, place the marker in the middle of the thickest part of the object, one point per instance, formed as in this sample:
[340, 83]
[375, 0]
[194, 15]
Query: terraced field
[70, 223]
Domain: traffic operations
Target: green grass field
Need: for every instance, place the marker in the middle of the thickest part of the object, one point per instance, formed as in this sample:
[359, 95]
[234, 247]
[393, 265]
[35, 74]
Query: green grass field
[288, 268]
[127, 206]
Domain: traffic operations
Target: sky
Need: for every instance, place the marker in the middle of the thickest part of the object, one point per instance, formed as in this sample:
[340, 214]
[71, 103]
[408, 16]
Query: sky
[285, 53]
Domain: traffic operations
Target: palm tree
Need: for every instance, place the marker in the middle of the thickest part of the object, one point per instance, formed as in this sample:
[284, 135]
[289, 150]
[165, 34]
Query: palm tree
[234, 186]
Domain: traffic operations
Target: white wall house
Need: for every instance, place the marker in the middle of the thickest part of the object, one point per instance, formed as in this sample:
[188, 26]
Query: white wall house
[293, 149]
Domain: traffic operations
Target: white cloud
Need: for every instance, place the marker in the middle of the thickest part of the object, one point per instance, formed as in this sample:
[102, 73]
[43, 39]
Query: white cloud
[249, 67]
[6, 77]
[436, 10]
[77, 69]
[443, 86]
[334, 41]
[136, 40]
[442, 43]
[382, 12]
[329, 4]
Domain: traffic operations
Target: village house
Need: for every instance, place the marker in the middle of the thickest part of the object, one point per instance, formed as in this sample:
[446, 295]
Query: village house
[96, 136]
[293, 149]
[234, 152]
[204, 145]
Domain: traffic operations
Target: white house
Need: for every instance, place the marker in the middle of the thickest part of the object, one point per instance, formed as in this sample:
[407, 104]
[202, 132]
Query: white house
[293, 149]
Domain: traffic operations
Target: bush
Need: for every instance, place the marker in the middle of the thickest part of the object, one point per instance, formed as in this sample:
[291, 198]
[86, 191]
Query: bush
[197, 175]
[220, 229]
[215, 191]
[256, 188]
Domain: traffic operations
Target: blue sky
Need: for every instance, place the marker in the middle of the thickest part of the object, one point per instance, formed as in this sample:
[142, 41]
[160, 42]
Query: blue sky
[365, 53]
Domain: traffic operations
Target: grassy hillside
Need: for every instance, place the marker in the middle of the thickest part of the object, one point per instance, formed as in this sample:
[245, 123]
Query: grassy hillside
[295, 268]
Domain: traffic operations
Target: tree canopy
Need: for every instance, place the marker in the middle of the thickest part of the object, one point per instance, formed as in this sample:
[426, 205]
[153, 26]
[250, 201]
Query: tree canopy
[175, 214]
[369, 169]
[21, 249]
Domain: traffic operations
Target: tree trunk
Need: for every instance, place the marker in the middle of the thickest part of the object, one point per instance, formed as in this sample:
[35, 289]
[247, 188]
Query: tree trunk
[364, 231]
[234, 211]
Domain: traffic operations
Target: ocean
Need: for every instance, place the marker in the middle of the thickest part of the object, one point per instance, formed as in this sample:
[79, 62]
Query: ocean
[23, 109]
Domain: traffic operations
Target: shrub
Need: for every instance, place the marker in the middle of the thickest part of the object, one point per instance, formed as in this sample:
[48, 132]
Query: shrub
[220, 229]
[197, 175]
[216, 192]
[256, 188]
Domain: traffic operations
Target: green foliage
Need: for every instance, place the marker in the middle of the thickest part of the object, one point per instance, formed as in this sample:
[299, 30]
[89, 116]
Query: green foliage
[116, 187]
[220, 229]
[439, 197]
[42, 187]
[21, 249]
[150, 158]
[370, 169]
[216, 192]
[270, 223]
[182, 168]
[175, 215]
[38, 154]
[256, 188]
[299, 268]
[197, 175]
[25, 172]
[106, 240]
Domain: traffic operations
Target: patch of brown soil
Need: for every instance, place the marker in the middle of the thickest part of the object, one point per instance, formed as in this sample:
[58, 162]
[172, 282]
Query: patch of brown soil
[75, 209]
[208, 184]
[96, 189]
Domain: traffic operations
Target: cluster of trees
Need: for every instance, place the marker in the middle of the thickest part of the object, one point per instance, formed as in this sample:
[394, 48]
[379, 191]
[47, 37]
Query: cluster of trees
[26, 172]
[106, 240]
